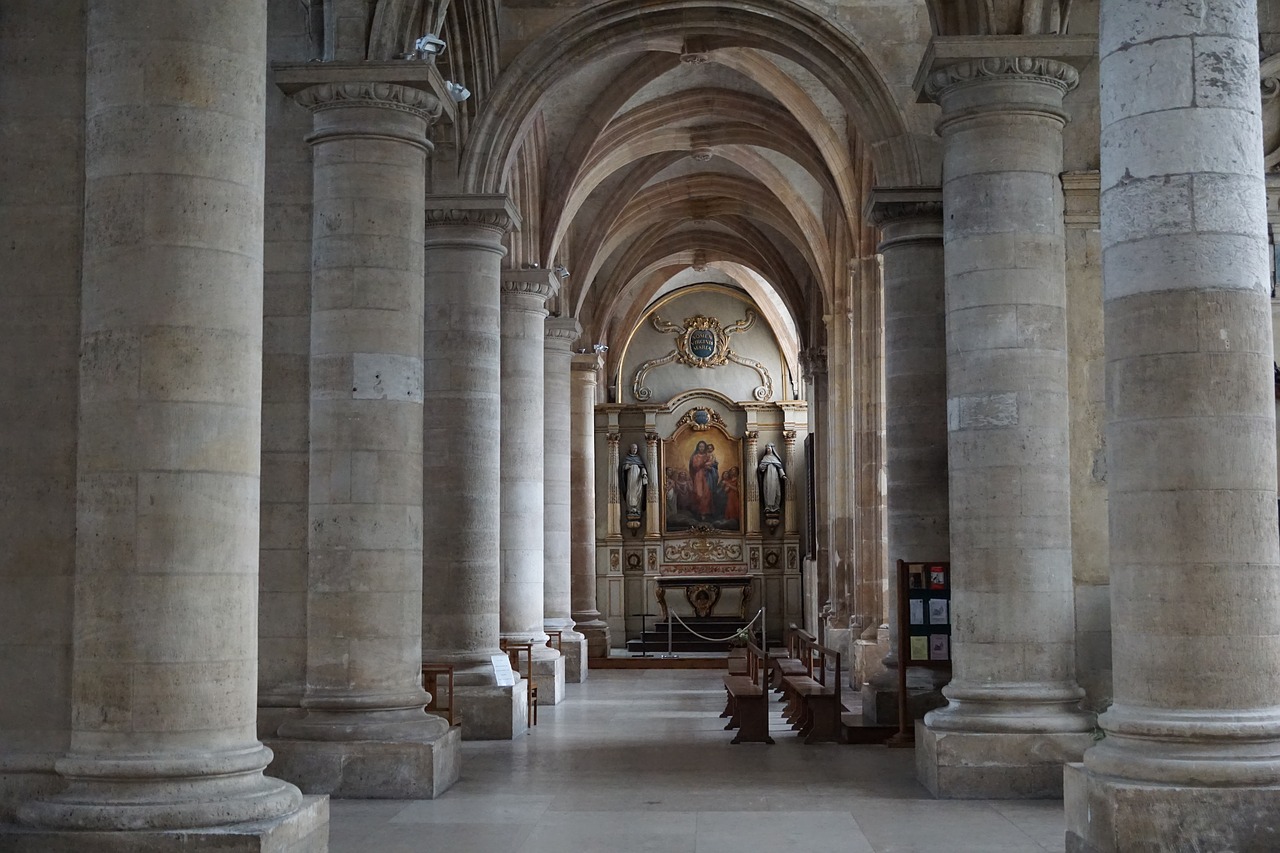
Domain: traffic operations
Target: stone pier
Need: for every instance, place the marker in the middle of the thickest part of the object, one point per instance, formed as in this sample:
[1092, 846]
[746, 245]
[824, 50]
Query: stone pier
[1013, 716]
[557, 499]
[910, 220]
[364, 733]
[586, 369]
[461, 512]
[524, 314]
[163, 748]
[1191, 753]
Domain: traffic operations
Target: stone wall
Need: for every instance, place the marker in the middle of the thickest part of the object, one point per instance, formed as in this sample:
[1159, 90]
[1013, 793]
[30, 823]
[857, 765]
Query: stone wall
[282, 628]
[42, 85]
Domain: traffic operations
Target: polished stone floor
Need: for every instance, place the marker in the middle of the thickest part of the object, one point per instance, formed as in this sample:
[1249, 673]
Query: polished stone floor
[636, 760]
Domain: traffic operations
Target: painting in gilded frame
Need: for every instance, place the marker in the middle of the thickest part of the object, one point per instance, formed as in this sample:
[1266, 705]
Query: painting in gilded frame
[702, 482]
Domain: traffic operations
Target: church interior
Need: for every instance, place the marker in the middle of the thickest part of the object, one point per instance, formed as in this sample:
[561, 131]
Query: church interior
[391, 389]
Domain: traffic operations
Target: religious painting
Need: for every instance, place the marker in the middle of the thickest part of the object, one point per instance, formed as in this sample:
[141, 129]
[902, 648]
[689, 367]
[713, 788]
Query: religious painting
[702, 482]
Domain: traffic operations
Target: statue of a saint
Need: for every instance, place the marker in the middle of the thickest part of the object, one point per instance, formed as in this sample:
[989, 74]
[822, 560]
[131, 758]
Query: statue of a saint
[635, 477]
[772, 476]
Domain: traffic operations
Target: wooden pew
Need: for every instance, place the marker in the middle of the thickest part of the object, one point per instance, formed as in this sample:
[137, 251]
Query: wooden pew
[747, 700]
[798, 640]
[812, 701]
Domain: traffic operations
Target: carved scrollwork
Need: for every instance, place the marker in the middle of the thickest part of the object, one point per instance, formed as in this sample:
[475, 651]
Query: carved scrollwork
[701, 551]
[763, 391]
[701, 418]
[702, 342]
[1270, 73]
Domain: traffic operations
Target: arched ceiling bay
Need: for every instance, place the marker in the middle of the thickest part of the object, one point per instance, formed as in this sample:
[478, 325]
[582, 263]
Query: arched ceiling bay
[684, 134]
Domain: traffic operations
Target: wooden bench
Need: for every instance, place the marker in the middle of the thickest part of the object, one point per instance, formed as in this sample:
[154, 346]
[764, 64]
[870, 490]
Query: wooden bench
[798, 643]
[747, 700]
[812, 703]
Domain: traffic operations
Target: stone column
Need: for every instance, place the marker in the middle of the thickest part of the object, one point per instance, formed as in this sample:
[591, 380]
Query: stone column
[1013, 716]
[614, 522]
[364, 733]
[586, 613]
[752, 438]
[654, 492]
[461, 510]
[524, 315]
[795, 479]
[561, 332]
[910, 222]
[814, 364]
[1191, 755]
[163, 750]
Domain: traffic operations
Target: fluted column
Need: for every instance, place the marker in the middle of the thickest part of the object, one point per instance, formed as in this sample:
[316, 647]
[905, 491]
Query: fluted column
[795, 479]
[1013, 696]
[752, 439]
[1191, 755]
[461, 455]
[614, 521]
[557, 604]
[164, 662]
[910, 221]
[652, 528]
[586, 614]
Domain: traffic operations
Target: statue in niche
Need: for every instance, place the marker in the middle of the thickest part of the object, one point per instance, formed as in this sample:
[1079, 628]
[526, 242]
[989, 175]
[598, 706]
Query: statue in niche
[635, 477]
[772, 478]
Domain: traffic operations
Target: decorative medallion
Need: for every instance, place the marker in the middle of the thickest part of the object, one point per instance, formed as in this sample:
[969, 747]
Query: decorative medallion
[702, 419]
[633, 562]
[703, 342]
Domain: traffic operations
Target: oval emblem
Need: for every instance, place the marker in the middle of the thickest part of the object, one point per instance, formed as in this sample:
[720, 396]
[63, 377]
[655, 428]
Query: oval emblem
[702, 343]
[702, 417]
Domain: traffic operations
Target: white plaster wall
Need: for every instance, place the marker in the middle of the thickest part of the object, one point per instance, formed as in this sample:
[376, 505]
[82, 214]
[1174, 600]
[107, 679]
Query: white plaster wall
[42, 55]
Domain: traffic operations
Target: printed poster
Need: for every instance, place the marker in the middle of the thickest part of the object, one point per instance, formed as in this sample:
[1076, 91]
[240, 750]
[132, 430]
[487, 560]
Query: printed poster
[920, 648]
[917, 611]
[938, 612]
[939, 647]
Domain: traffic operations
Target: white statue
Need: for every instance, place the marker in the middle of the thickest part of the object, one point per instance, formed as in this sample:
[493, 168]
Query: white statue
[772, 476]
[635, 476]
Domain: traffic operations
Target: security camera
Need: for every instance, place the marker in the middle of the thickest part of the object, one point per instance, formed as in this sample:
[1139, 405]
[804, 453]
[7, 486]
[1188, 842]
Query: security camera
[457, 91]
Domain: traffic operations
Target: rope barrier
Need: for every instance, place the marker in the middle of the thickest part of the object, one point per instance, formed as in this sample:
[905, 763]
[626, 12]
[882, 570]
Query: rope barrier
[739, 634]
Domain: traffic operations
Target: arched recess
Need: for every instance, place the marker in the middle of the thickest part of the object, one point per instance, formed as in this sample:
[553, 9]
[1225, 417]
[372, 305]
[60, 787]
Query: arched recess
[623, 26]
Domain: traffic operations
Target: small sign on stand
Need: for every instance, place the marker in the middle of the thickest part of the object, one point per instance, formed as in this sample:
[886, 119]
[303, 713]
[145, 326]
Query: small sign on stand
[924, 630]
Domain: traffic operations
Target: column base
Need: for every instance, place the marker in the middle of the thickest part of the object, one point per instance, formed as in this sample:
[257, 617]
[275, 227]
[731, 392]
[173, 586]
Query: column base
[1108, 815]
[574, 653]
[550, 676]
[868, 661]
[880, 701]
[367, 769]
[995, 765]
[305, 830]
[597, 636]
[491, 712]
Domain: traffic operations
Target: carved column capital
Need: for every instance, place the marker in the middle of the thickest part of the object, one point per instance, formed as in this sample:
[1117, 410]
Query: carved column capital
[563, 331]
[988, 69]
[389, 96]
[528, 289]
[495, 212]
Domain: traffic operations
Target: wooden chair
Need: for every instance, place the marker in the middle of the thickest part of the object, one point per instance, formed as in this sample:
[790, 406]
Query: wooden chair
[433, 671]
[514, 650]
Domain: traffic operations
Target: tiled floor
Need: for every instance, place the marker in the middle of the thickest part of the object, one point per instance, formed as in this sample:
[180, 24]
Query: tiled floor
[637, 761]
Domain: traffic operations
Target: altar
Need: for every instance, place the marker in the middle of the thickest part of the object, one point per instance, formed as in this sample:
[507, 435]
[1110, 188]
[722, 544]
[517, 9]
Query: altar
[703, 593]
